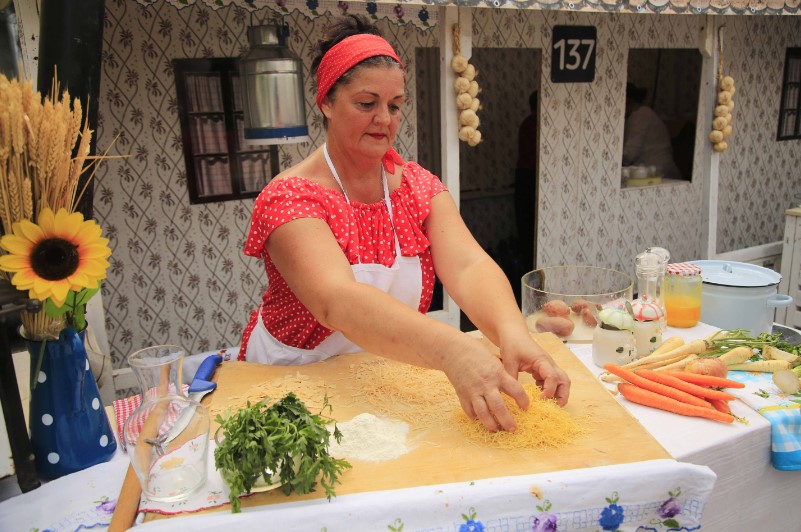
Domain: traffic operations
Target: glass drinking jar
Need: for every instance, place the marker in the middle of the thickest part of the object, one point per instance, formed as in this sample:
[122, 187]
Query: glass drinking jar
[167, 436]
[681, 294]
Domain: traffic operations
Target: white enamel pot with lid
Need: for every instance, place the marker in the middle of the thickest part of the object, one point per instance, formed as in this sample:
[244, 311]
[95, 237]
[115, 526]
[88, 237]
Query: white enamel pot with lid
[738, 295]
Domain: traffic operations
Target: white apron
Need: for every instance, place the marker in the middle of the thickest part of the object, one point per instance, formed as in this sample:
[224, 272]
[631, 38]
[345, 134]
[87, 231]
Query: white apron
[403, 281]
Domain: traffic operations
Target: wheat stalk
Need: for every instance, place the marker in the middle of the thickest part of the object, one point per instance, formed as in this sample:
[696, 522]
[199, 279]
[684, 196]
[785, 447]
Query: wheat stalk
[37, 170]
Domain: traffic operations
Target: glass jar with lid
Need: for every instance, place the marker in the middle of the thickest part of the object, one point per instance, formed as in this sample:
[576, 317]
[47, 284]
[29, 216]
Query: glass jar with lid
[681, 294]
[649, 314]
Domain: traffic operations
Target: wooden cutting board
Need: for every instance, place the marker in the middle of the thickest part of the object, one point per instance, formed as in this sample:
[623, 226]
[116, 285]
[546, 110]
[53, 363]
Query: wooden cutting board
[442, 455]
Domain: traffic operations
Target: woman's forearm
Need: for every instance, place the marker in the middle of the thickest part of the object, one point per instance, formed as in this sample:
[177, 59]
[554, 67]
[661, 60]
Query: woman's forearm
[379, 323]
[485, 295]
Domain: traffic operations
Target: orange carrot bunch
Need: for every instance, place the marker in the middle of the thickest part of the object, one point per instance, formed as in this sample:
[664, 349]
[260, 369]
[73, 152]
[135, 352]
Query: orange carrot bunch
[688, 394]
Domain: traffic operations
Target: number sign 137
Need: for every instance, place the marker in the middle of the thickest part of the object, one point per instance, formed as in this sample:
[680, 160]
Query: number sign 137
[573, 54]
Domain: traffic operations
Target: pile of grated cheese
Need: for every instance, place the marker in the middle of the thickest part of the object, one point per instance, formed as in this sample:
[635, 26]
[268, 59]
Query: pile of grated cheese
[544, 425]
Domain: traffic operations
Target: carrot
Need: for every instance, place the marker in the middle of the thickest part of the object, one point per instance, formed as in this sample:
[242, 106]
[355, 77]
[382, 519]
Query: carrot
[691, 348]
[641, 396]
[721, 406]
[705, 380]
[656, 387]
[765, 366]
[688, 387]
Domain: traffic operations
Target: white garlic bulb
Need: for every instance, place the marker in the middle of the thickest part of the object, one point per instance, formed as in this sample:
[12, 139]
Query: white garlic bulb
[459, 63]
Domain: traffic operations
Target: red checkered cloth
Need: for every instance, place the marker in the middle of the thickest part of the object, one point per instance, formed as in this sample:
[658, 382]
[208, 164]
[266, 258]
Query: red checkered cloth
[123, 408]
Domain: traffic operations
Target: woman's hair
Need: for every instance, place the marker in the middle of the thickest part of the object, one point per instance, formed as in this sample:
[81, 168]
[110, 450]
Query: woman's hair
[339, 30]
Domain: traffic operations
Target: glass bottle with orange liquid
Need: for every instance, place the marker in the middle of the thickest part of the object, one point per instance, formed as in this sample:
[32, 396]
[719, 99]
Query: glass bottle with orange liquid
[681, 294]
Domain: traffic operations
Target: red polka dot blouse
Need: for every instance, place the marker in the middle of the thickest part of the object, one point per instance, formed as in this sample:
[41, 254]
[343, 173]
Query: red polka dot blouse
[363, 231]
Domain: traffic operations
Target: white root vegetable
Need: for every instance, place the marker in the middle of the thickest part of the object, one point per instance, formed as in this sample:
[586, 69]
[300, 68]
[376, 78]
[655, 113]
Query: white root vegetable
[475, 104]
[668, 345]
[721, 110]
[473, 90]
[690, 348]
[774, 353]
[738, 355]
[720, 147]
[719, 123]
[727, 132]
[679, 364]
[787, 381]
[475, 139]
[716, 136]
[724, 97]
[763, 366]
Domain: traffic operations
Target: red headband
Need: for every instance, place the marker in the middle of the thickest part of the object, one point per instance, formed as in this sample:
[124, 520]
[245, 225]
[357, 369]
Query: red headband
[347, 53]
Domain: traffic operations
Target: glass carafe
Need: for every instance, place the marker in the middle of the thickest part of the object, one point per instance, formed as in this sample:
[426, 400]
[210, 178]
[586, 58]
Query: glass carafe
[167, 436]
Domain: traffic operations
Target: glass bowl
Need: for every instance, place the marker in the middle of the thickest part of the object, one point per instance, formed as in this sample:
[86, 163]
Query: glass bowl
[578, 287]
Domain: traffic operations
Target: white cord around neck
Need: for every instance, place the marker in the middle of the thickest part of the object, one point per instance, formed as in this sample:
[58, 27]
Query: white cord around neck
[386, 196]
[342, 187]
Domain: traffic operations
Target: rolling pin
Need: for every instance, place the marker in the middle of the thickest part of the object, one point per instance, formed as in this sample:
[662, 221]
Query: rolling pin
[127, 503]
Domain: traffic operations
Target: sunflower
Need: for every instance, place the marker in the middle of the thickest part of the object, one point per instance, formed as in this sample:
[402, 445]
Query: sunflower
[60, 253]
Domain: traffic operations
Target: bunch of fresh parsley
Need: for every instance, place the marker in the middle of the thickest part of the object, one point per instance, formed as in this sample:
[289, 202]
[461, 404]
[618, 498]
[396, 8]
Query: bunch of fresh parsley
[283, 439]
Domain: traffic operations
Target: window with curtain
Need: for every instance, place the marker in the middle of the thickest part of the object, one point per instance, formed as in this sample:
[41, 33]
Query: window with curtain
[220, 165]
[790, 109]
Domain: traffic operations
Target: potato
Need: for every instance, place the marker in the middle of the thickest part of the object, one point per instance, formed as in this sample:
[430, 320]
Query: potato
[556, 307]
[588, 317]
[559, 326]
[580, 304]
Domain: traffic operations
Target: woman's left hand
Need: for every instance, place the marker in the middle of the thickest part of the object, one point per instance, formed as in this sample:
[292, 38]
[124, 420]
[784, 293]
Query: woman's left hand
[526, 355]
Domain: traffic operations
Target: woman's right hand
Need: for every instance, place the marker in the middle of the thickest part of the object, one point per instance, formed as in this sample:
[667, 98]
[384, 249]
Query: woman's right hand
[480, 381]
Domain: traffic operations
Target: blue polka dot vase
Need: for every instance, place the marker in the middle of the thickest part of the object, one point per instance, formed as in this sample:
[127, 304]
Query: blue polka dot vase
[69, 427]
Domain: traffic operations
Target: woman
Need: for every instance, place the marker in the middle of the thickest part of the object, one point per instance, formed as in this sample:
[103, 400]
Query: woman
[351, 238]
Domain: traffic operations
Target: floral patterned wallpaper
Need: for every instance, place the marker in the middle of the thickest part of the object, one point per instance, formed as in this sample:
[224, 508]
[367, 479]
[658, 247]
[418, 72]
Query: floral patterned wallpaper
[178, 274]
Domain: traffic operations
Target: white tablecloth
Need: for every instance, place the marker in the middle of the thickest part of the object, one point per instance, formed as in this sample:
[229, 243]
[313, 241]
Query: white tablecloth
[749, 495]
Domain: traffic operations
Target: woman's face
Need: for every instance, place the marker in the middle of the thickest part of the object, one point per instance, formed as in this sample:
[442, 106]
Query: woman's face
[364, 114]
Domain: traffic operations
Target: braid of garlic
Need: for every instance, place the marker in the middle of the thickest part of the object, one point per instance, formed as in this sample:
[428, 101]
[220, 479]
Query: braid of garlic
[467, 90]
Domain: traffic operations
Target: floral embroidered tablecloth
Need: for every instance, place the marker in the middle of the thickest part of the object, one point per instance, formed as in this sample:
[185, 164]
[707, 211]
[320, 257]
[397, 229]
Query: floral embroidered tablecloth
[78, 501]
[658, 495]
